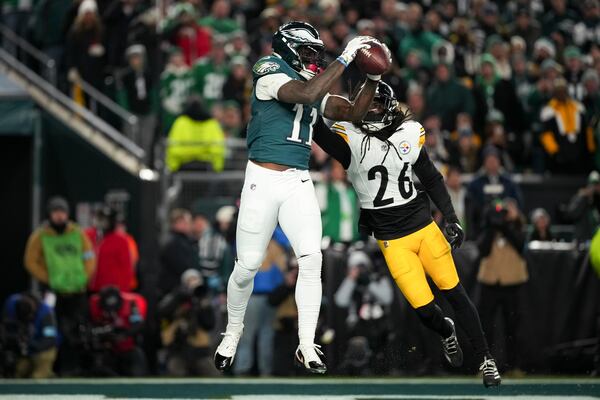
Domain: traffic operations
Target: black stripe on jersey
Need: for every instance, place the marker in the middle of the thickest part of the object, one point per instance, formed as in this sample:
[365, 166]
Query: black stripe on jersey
[395, 222]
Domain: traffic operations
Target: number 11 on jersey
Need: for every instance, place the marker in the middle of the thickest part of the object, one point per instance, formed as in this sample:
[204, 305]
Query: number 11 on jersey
[295, 136]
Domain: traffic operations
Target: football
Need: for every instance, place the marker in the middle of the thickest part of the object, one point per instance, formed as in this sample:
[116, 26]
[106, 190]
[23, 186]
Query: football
[374, 60]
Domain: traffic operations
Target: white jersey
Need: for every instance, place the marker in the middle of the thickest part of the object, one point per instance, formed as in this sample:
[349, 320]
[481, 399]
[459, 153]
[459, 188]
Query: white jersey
[383, 183]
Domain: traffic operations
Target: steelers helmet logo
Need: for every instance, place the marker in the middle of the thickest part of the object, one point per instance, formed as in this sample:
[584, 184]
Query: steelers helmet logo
[404, 147]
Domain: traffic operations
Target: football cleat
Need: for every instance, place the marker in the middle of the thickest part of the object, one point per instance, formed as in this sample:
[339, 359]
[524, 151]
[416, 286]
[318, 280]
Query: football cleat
[310, 358]
[491, 376]
[226, 351]
[452, 350]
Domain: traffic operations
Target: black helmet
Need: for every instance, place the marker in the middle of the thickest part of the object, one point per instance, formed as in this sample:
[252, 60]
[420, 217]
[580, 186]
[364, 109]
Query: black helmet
[299, 44]
[383, 111]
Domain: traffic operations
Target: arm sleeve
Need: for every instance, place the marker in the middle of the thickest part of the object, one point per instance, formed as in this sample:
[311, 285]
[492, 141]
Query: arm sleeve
[268, 86]
[485, 241]
[335, 144]
[34, 258]
[433, 182]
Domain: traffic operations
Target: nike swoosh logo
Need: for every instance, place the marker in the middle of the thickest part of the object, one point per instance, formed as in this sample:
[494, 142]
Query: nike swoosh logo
[304, 180]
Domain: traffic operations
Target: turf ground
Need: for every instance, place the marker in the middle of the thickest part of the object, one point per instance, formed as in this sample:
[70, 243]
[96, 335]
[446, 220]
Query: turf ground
[300, 389]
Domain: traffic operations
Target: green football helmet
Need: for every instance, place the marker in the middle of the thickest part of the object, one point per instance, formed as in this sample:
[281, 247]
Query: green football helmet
[299, 44]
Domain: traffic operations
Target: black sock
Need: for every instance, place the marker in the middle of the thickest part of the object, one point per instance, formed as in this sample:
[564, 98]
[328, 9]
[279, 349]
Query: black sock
[432, 317]
[468, 319]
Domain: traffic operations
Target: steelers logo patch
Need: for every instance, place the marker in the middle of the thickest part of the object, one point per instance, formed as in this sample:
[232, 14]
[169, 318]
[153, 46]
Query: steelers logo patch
[404, 147]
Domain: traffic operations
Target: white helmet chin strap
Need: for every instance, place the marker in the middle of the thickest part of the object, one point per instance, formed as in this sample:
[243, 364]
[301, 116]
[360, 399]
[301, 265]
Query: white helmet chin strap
[307, 74]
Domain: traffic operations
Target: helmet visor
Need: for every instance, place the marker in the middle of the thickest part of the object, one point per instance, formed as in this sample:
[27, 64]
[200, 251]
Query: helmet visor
[312, 54]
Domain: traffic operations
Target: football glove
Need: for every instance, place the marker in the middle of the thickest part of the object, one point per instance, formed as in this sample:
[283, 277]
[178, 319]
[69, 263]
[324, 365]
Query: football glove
[359, 42]
[454, 234]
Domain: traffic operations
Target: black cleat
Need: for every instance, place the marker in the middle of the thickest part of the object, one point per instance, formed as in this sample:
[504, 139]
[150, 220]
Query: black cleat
[310, 358]
[491, 376]
[452, 350]
[226, 351]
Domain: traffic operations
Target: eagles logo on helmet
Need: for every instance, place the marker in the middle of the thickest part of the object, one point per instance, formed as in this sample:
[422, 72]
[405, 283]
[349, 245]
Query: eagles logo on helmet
[299, 45]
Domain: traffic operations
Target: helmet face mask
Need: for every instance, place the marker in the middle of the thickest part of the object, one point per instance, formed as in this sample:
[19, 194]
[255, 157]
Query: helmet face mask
[383, 110]
[299, 45]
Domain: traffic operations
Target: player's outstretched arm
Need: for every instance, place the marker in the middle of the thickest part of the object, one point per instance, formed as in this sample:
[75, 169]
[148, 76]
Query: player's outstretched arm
[308, 92]
[339, 108]
[334, 144]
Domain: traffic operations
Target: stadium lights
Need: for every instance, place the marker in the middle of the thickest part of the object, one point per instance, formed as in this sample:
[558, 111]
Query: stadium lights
[147, 174]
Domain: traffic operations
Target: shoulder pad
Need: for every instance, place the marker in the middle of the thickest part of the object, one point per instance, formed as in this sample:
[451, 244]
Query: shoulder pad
[413, 129]
[268, 65]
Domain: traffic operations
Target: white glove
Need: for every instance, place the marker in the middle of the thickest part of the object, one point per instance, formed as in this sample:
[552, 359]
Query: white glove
[359, 42]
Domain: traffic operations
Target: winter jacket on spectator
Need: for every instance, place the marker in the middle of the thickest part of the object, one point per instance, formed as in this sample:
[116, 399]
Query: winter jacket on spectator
[136, 93]
[500, 247]
[175, 86]
[446, 97]
[126, 322]
[115, 263]
[41, 333]
[177, 255]
[496, 93]
[566, 137]
[195, 137]
[117, 18]
[85, 51]
[64, 261]
[48, 21]
[209, 76]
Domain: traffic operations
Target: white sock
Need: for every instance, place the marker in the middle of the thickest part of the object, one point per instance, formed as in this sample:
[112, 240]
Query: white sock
[239, 289]
[308, 296]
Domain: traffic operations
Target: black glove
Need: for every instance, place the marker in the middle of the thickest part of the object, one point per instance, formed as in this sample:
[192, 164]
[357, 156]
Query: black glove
[454, 234]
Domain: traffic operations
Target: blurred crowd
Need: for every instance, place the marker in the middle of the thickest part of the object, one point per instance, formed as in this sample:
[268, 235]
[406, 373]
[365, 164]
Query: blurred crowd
[86, 317]
[522, 76]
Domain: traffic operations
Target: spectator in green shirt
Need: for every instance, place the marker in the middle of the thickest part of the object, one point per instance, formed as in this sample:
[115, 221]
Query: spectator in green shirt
[218, 20]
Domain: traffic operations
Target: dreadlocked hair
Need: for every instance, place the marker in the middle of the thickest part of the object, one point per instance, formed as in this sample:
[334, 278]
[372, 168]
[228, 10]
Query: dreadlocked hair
[402, 115]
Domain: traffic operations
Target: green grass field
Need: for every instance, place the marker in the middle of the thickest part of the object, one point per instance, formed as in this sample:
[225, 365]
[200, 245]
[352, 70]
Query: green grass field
[300, 389]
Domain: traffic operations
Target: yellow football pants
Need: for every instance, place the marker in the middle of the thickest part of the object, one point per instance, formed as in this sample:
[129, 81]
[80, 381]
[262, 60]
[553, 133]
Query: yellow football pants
[409, 258]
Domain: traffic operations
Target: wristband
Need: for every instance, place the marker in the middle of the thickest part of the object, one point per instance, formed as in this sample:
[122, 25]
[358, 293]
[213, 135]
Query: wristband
[341, 60]
[375, 78]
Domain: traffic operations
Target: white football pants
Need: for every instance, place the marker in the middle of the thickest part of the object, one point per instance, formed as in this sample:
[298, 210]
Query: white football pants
[287, 197]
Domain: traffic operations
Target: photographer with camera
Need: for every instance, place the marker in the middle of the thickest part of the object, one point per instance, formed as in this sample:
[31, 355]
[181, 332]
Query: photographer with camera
[117, 319]
[490, 183]
[188, 317]
[367, 294]
[502, 273]
[28, 338]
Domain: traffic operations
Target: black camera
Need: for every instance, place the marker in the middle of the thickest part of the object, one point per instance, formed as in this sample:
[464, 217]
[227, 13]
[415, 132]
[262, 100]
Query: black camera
[497, 212]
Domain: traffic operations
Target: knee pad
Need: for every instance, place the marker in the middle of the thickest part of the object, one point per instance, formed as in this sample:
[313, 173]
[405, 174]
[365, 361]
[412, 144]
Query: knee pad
[310, 265]
[242, 275]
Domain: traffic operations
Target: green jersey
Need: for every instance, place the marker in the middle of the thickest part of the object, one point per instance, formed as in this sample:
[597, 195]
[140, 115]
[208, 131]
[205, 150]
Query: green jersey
[175, 87]
[279, 132]
[209, 80]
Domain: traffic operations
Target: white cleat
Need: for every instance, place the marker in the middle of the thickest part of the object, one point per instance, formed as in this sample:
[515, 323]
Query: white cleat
[310, 358]
[226, 351]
